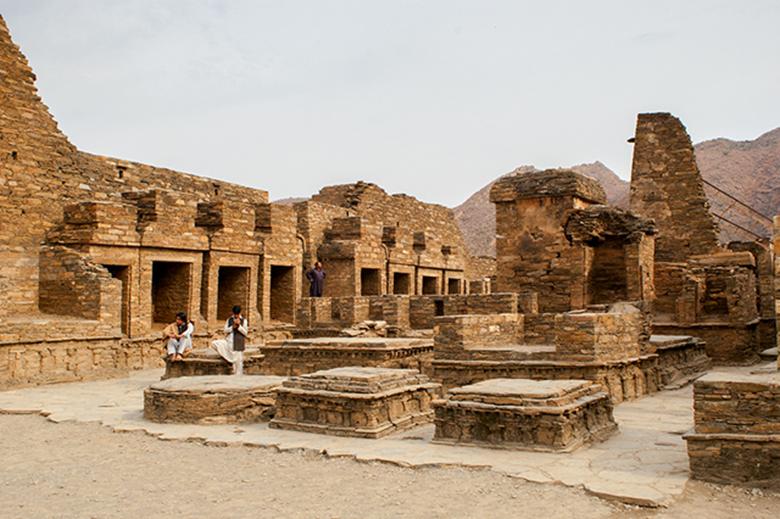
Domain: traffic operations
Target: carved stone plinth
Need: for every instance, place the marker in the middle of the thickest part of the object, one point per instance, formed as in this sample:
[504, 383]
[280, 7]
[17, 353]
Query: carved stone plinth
[355, 401]
[212, 399]
[547, 415]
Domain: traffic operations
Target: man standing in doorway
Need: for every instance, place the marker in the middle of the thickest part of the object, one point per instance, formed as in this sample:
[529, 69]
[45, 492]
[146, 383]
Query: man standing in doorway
[316, 277]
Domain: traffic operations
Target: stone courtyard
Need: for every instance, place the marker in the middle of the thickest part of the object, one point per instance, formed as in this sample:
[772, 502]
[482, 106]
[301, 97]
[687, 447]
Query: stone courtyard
[623, 353]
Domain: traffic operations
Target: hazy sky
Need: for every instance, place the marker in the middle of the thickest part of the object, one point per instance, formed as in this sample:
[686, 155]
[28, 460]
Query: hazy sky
[430, 98]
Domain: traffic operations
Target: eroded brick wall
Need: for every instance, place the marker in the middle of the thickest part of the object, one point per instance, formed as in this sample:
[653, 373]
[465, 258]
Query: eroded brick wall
[71, 285]
[532, 251]
[41, 172]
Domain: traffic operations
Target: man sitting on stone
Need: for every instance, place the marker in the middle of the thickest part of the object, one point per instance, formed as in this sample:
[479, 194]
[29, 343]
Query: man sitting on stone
[179, 337]
[316, 277]
[232, 347]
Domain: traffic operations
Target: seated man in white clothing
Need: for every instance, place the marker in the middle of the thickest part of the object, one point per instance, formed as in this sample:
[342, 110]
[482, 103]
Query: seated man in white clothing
[180, 340]
[232, 347]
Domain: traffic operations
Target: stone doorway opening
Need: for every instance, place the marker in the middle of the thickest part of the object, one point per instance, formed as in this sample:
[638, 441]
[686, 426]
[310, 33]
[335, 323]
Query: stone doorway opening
[453, 286]
[430, 285]
[232, 289]
[607, 281]
[370, 282]
[122, 273]
[171, 281]
[282, 294]
[402, 283]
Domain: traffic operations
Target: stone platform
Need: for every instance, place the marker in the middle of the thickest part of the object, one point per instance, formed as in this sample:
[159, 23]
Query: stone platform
[212, 399]
[546, 415]
[622, 379]
[355, 401]
[736, 435]
[206, 361]
[299, 356]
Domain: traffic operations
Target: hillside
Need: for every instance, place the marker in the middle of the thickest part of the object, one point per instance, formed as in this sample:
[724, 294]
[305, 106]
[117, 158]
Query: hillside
[749, 170]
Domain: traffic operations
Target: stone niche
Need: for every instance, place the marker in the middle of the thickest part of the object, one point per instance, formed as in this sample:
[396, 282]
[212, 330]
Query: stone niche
[736, 435]
[542, 415]
[212, 399]
[355, 401]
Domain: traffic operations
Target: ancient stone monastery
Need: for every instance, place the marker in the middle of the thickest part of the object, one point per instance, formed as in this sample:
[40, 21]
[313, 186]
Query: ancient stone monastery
[98, 253]
[585, 306]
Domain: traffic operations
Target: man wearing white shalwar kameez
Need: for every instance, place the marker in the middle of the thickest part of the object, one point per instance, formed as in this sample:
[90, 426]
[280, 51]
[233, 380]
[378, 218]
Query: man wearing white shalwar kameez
[232, 347]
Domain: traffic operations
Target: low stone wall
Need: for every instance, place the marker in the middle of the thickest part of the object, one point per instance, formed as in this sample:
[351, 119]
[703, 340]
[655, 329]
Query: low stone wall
[726, 343]
[680, 358]
[456, 335]
[625, 380]
[736, 436]
[208, 362]
[300, 356]
[64, 359]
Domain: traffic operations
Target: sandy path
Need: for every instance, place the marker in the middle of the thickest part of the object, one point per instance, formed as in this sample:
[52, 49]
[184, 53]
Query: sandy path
[84, 470]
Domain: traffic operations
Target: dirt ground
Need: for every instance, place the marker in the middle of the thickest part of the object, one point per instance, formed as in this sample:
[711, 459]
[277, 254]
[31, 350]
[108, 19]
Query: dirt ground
[85, 470]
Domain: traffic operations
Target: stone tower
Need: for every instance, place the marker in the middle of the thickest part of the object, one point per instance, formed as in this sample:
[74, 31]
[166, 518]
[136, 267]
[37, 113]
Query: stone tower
[666, 185]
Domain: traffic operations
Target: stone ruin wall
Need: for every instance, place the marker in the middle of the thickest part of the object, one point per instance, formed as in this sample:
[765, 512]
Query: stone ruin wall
[666, 185]
[395, 236]
[82, 233]
[556, 238]
[701, 288]
[86, 210]
[42, 172]
[532, 252]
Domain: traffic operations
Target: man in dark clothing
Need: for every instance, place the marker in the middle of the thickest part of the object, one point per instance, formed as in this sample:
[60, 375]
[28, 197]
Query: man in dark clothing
[316, 277]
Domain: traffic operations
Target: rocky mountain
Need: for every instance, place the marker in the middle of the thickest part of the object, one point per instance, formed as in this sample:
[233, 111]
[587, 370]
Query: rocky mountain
[748, 170]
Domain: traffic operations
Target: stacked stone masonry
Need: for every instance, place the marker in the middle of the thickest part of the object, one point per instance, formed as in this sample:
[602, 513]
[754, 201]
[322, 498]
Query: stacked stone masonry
[723, 297]
[300, 356]
[736, 436]
[551, 415]
[354, 401]
[96, 245]
[205, 362]
[212, 399]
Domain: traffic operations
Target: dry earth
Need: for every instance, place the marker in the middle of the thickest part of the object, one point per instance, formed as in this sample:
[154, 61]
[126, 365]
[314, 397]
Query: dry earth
[85, 470]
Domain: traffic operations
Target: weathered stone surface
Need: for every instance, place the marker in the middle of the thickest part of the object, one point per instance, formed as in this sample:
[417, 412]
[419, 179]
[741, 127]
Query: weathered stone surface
[736, 435]
[212, 399]
[681, 358]
[97, 245]
[299, 356]
[553, 238]
[601, 346]
[666, 185]
[208, 362]
[355, 401]
[555, 415]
